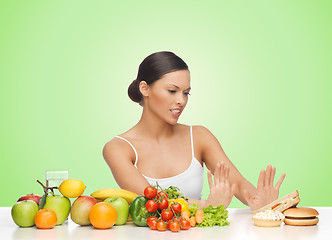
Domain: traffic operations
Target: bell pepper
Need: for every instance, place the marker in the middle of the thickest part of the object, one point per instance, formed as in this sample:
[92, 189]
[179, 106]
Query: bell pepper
[138, 212]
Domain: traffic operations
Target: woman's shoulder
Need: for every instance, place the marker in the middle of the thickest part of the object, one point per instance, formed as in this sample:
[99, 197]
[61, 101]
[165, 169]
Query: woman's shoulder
[121, 139]
[117, 145]
[197, 130]
[203, 136]
[201, 130]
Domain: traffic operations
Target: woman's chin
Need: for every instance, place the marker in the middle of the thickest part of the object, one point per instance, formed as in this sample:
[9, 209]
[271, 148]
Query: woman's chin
[172, 121]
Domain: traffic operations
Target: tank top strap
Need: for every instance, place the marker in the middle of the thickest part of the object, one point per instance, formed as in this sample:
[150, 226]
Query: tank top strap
[132, 148]
[192, 142]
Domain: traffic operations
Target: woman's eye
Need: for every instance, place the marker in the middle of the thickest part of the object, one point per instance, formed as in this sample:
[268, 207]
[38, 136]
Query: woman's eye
[172, 91]
[186, 93]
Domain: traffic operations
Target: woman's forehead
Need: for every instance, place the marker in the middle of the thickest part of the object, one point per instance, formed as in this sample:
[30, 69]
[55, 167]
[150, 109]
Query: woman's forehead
[180, 78]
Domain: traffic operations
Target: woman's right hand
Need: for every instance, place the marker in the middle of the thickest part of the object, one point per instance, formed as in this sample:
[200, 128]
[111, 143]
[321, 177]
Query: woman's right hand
[221, 190]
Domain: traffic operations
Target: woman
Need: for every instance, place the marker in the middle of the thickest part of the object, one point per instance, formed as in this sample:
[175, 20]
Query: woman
[159, 149]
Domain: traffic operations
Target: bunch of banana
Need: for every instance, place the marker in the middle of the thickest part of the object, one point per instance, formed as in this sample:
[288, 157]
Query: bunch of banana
[104, 193]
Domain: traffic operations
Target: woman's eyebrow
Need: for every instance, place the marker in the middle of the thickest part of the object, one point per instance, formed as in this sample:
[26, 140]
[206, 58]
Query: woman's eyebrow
[189, 88]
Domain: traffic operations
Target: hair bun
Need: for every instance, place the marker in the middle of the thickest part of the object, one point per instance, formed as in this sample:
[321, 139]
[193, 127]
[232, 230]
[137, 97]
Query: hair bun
[134, 92]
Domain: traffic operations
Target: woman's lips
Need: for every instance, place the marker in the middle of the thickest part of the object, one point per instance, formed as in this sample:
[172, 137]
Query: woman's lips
[176, 112]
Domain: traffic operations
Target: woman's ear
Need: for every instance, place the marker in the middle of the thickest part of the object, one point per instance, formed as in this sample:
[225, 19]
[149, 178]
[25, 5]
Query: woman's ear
[144, 88]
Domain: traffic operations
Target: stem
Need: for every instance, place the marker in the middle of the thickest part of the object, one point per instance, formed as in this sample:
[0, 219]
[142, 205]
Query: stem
[158, 186]
[47, 188]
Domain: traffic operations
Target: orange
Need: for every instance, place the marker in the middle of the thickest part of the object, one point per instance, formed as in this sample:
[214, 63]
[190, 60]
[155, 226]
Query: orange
[45, 219]
[103, 215]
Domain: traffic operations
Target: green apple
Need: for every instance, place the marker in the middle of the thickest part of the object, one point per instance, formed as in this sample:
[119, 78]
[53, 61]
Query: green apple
[60, 205]
[122, 209]
[81, 208]
[23, 213]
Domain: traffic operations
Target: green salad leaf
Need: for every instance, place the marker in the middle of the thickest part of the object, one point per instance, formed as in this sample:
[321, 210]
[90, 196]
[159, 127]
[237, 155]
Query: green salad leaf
[193, 208]
[174, 193]
[214, 216]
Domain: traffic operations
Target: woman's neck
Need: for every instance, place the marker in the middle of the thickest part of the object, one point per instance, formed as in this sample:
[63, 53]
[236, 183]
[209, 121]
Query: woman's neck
[154, 127]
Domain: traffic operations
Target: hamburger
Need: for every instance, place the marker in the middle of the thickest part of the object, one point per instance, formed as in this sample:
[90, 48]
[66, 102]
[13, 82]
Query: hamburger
[301, 216]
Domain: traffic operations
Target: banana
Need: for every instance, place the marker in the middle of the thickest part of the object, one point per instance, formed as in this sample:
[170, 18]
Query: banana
[104, 193]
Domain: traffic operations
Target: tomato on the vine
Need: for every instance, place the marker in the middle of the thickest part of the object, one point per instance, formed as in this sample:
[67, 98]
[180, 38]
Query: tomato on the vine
[167, 215]
[150, 192]
[161, 225]
[163, 204]
[176, 207]
[151, 206]
[162, 195]
[185, 224]
[174, 226]
[152, 222]
[172, 220]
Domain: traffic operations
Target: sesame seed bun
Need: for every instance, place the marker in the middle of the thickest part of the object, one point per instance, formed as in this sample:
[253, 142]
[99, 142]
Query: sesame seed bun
[301, 216]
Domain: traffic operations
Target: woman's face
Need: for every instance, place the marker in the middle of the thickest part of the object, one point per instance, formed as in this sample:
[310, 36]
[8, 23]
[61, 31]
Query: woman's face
[168, 96]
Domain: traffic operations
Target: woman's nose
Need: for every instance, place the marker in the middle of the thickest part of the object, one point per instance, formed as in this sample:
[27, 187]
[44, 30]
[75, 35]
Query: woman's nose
[180, 99]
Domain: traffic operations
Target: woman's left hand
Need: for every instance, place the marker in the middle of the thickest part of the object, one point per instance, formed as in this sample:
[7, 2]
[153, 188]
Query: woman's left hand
[221, 191]
[266, 192]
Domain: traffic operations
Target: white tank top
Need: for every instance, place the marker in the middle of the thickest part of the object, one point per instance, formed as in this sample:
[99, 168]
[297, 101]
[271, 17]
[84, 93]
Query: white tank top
[190, 182]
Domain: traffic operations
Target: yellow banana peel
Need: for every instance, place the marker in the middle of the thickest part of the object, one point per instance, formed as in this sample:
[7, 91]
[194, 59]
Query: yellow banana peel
[104, 193]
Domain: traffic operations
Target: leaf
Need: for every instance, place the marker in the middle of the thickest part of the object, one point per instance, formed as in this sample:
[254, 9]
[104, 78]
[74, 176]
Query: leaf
[214, 216]
[174, 193]
[42, 201]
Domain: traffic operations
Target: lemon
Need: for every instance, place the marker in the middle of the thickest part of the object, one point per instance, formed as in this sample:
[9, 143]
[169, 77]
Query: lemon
[72, 188]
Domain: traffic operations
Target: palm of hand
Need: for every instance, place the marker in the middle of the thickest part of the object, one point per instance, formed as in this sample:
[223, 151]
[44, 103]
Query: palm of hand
[266, 192]
[221, 191]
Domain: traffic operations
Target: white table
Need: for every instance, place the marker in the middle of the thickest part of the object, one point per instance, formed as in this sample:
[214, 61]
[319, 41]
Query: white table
[241, 227]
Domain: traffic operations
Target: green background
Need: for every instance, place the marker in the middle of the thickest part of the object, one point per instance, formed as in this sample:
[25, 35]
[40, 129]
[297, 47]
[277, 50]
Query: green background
[261, 82]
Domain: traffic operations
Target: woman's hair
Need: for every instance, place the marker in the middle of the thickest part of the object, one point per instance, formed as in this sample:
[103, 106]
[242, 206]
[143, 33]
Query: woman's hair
[153, 68]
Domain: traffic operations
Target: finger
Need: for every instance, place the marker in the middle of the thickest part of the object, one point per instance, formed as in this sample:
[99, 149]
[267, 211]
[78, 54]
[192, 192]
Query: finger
[227, 175]
[272, 176]
[267, 176]
[281, 179]
[261, 179]
[210, 181]
[222, 175]
[217, 173]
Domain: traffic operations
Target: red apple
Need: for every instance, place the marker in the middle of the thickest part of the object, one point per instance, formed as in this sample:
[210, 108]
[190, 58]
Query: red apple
[80, 209]
[33, 197]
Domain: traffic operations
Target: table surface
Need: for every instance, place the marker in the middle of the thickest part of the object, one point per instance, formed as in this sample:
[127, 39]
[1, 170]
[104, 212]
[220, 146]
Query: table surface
[241, 227]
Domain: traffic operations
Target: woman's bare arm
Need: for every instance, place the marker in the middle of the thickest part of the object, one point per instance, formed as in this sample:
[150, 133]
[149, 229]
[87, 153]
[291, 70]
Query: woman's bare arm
[119, 156]
[212, 153]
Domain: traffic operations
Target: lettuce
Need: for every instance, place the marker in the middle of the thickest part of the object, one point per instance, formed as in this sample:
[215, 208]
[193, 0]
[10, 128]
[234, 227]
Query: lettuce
[174, 193]
[193, 208]
[214, 216]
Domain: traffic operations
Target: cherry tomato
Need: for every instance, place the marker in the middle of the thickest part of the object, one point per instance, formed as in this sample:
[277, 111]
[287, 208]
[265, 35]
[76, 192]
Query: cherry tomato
[166, 215]
[183, 203]
[151, 206]
[176, 207]
[173, 220]
[152, 222]
[163, 204]
[150, 192]
[174, 226]
[161, 225]
[162, 195]
[185, 224]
